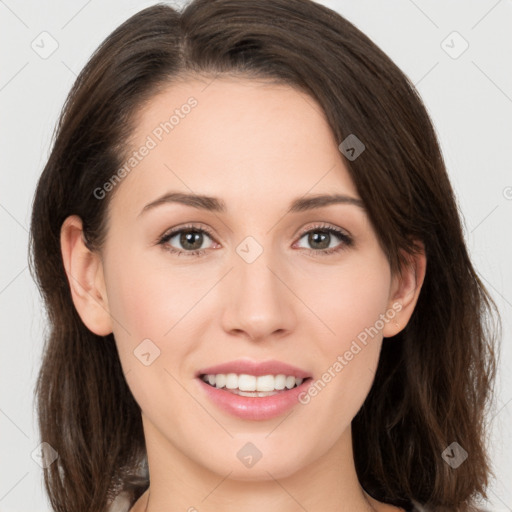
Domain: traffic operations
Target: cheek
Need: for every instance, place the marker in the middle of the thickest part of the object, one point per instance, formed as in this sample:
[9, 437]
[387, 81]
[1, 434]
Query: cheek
[347, 299]
[147, 307]
[350, 305]
[147, 299]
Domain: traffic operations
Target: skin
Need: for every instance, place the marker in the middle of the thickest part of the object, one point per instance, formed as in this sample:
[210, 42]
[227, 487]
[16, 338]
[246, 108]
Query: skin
[257, 146]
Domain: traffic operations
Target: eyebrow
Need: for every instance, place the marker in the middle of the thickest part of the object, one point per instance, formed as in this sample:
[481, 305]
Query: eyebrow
[213, 204]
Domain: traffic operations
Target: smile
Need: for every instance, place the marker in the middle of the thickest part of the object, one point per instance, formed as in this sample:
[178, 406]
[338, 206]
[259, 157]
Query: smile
[253, 405]
[252, 385]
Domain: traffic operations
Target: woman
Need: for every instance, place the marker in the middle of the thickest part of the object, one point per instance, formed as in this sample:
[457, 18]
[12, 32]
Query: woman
[256, 278]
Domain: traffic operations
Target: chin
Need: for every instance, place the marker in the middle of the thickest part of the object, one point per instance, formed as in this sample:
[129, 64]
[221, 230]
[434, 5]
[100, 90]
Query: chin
[278, 465]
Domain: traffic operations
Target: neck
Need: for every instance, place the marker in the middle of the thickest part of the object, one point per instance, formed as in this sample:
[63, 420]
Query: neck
[327, 484]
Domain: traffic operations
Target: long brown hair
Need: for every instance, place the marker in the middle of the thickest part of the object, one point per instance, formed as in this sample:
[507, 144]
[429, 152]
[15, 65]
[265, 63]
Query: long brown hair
[435, 378]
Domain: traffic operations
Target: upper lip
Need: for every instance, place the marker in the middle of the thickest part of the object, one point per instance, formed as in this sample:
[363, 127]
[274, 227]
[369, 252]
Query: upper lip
[257, 368]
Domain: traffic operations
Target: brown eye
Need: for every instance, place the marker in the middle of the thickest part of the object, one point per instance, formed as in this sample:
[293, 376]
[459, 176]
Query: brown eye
[191, 240]
[322, 240]
[319, 239]
[186, 240]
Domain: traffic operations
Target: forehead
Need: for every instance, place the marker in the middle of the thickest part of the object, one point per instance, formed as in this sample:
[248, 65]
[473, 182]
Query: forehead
[234, 138]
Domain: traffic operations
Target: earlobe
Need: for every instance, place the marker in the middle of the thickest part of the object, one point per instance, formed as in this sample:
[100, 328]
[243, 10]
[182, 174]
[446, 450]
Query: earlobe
[405, 290]
[84, 270]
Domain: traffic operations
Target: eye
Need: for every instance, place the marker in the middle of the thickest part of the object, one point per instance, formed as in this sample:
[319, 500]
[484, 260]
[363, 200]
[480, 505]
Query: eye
[320, 237]
[191, 239]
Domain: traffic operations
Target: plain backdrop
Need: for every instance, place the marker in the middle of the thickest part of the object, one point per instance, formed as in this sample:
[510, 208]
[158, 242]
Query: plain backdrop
[456, 52]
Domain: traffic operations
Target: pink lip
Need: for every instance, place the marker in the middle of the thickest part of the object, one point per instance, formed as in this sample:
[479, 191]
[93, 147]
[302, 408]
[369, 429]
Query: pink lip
[271, 367]
[254, 408]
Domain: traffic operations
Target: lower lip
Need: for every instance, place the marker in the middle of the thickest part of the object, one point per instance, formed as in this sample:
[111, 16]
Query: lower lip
[254, 408]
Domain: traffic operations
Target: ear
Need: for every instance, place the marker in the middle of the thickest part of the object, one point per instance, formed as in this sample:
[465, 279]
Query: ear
[405, 290]
[84, 270]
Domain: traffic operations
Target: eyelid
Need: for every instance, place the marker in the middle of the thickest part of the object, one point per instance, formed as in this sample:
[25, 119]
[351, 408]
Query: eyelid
[323, 225]
[200, 226]
[345, 237]
[192, 226]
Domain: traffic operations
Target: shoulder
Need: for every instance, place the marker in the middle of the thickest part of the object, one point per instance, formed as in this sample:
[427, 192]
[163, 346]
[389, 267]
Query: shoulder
[418, 507]
[120, 504]
[124, 503]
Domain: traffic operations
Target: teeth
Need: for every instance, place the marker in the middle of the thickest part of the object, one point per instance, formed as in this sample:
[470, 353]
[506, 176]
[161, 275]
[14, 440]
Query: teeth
[231, 381]
[243, 382]
[220, 380]
[253, 393]
[246, 382]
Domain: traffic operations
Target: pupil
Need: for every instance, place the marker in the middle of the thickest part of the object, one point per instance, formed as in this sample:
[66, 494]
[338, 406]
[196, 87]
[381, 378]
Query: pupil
[189, 237]
[323, 237]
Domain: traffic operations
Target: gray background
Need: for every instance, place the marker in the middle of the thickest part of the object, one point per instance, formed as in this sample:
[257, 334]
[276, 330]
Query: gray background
[469, 97]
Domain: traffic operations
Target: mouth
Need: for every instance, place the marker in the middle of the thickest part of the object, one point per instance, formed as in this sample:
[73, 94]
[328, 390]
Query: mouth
[252, 390]
[253, 385]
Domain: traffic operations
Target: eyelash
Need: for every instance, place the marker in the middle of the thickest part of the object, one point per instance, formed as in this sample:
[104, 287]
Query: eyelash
[345, 239]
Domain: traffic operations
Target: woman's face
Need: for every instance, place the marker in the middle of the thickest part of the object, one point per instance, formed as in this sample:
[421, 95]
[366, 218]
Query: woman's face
[270, 281]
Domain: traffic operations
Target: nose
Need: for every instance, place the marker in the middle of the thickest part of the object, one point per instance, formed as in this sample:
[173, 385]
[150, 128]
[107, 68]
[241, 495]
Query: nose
[259, 301]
